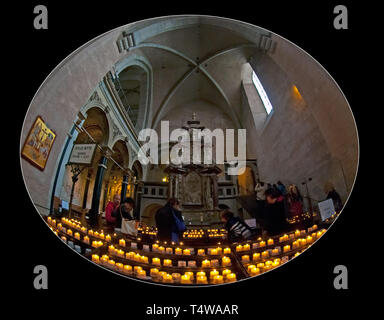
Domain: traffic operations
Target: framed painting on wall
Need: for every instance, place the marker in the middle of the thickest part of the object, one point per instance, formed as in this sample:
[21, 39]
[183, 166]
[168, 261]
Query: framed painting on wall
[38, 144]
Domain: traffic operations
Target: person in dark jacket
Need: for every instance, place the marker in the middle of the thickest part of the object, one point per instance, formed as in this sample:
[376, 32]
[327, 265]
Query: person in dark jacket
[124, 209]
[236, 228]
[338, 204]
[167, 228]
[276, 222]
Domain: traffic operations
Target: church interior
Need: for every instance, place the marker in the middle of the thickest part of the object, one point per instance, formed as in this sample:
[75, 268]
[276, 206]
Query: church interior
[203, 71]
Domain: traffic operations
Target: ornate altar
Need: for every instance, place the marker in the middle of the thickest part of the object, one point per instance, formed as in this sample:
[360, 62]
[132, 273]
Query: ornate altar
[195, 185]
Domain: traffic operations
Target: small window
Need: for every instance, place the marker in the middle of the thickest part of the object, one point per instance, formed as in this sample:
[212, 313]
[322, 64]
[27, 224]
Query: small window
[153, 191]
[220, 192]
[263, 95]
[229, 192]
[161, 192]
[145, 190]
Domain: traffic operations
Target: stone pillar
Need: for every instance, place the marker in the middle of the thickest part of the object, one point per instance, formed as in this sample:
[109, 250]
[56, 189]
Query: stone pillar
[215, 191]
[124, 186]
[170, 186]
[94, 211]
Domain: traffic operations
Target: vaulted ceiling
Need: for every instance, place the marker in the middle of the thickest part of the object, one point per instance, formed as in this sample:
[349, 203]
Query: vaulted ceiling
[196, 62]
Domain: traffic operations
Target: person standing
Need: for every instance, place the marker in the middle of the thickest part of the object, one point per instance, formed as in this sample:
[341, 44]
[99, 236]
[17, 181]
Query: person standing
[281, 188]
[338, 204]
[294, 202]
[260, 198]
[276, 222]
[124, 210]
[111, 206]
[169, 221]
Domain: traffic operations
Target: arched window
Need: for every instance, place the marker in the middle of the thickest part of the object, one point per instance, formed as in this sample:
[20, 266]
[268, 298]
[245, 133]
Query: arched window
[263, 95]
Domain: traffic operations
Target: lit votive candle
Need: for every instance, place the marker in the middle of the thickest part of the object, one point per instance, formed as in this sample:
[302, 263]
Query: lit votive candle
[136, 269]
[176, 277]
[155, 246]
[218, 279]
[178, 251]
[275, 252]
[270, 242]
[95, 258]
[245, 258]
[239, 248]
[262, 244]
[201, 280]
[167, 278]
[254, 272]
[77, 236]
[153, 272]
[190, 274]
[144, 259]
[265, 254]
[200, 274]
[69, 232]
[141, 273]
[260, 265]
[297, 233]
[251, 266]
[169, 250]
[206, 263]
[86, 239]
[167, 263]
[225, 261]
[119, 266]
[187, 252]
[214, 252]
[256, 256]
[161, 249]
[122, 242]
[226, 272]
[111, 263]
[200, 252]
[120, 253]
[185, 279]
[309, 239]
[247, 247]
[227, 250]
[219, 250]
[287, 248]
[231, 277]
[213, 273]
[156, 261]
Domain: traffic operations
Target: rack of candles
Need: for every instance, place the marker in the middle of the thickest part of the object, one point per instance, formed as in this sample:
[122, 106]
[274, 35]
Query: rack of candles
[196, 260]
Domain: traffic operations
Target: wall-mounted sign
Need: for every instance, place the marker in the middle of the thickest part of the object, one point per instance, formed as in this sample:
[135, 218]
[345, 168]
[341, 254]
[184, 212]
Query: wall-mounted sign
[82, 154]
[326, 208]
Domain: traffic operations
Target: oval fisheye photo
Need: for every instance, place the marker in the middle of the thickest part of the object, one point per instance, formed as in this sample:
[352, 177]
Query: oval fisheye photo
[189, 151]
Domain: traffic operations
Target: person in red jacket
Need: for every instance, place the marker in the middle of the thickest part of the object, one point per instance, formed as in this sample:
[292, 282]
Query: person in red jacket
[111, 206]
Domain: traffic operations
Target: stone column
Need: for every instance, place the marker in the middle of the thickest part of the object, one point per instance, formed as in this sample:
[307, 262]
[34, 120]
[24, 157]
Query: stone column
[124, 186]
[170, 186]
[94, 211]
[215, 191]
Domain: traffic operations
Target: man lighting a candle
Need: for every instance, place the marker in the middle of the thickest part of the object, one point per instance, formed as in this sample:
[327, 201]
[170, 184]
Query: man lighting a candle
[236, 228]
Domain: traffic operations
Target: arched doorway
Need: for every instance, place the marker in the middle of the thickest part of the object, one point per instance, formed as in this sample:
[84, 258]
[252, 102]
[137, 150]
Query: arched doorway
[246, 182]
[148, 215]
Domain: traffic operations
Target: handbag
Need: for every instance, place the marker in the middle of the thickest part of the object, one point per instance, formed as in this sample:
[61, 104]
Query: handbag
[180, 225]
[128, 226]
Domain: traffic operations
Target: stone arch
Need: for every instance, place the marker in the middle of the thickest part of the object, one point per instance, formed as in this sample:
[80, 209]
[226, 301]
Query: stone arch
[136, 61]
[148, 214]
[246, 182]
[96, 120]
[138, 169]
